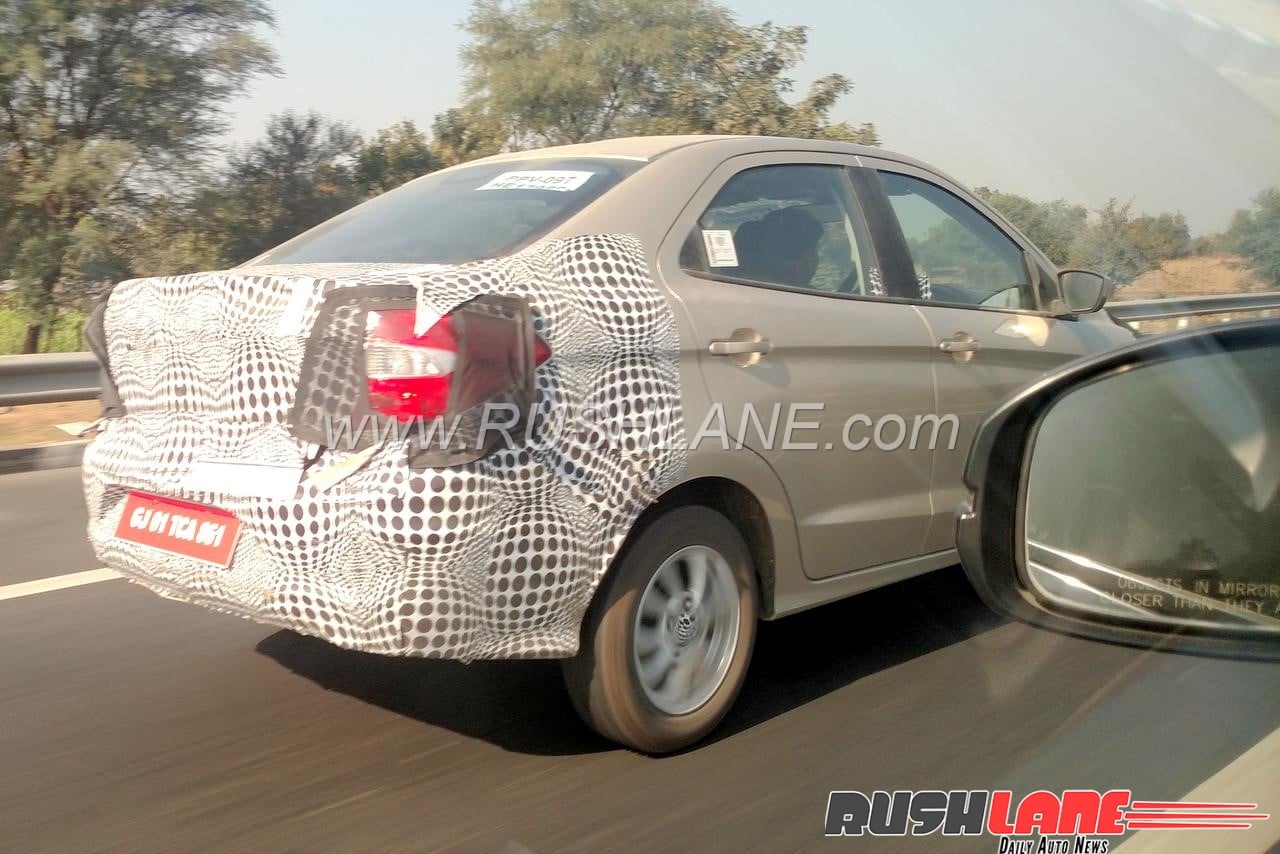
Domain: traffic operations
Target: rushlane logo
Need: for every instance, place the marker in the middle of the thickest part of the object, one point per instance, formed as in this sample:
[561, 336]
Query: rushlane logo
[1072, 822]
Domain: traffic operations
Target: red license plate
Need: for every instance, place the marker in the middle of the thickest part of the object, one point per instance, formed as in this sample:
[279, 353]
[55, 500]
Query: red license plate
[179, 527]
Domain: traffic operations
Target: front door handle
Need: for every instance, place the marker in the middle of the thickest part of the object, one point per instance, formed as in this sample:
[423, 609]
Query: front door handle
[960, 343]
[729, 347]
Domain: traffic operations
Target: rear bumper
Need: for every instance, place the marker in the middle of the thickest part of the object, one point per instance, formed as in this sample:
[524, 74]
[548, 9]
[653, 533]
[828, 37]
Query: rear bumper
[392, 561]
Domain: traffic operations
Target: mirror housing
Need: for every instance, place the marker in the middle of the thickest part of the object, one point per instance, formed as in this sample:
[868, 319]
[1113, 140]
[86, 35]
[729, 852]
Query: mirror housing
[1156, 532]
[1083, 291]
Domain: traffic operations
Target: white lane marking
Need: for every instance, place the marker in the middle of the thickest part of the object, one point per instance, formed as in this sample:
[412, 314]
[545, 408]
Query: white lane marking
[57, 582]
[1250, 779]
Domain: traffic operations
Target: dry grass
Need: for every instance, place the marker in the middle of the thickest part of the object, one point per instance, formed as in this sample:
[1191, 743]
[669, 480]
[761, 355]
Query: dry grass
[31, 425]
[1196, 276]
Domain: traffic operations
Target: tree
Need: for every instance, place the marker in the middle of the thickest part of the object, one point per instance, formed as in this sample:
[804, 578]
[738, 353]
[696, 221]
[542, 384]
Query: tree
[1255, 234]
[99, 100]
[1116, 243]
[744, 92]
[395, 155]
[1104, 248]
[305, 169]
[460, 134]
[298, 175]
[1123, 246]
[551, 72]
[1160, 237]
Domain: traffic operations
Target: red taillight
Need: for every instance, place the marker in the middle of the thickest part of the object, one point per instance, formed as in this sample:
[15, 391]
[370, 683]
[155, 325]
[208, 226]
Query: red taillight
[411, 376]
[541, 352]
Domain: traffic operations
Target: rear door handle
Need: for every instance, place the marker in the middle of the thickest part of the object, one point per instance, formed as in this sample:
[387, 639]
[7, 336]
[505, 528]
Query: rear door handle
[730, 347]
[745, 347]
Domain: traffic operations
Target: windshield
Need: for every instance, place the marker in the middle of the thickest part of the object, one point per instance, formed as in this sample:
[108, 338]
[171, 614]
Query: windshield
[459, 215]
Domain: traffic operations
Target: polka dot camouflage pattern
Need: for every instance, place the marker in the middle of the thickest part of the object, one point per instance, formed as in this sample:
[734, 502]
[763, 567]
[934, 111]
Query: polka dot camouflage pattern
[490, 559]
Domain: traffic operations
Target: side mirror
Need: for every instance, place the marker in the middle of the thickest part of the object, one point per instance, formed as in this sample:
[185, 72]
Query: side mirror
[1135, 496]
[1083, 292]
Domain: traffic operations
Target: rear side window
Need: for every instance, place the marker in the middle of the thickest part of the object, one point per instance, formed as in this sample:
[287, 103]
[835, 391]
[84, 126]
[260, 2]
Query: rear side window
[792, 225]
[459, 215]
[960, 256]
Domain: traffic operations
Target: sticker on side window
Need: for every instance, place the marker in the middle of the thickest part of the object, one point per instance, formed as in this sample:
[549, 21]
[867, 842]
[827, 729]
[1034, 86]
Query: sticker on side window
[539, 179]
[720, 249]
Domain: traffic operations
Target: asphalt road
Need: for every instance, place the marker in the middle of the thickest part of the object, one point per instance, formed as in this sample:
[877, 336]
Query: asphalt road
[128, 722]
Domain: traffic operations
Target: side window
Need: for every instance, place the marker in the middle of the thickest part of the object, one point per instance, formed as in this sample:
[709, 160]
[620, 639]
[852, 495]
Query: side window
[793, 225]
[960, 256]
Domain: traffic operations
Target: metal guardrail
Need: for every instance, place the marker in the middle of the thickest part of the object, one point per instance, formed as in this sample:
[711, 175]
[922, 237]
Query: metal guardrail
[1140, 311]
[59, 377]
[48, 378]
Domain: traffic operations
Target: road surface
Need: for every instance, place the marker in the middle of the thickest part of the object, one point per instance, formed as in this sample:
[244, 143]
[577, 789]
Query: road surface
[133, 723]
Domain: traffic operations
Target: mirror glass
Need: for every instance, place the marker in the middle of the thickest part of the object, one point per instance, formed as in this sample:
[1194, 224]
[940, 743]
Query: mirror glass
[1082, 290]
[1153, 494]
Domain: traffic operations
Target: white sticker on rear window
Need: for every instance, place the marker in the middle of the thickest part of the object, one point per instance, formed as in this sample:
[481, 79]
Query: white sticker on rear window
[720, 249]
[539, 179]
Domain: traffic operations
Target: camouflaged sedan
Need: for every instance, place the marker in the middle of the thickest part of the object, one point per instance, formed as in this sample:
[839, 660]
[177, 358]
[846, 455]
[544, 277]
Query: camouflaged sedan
[610, 403]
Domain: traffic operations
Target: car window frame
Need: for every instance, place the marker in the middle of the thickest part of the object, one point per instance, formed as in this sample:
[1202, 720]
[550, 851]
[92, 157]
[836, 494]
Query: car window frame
[893, 247]
[682, 226]
[860, 238]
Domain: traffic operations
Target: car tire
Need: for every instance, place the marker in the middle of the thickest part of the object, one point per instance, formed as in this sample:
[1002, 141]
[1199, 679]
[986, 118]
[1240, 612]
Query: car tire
[651, 617]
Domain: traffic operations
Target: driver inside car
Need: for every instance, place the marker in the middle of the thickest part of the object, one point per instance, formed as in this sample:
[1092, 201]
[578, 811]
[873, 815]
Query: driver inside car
[780, 248]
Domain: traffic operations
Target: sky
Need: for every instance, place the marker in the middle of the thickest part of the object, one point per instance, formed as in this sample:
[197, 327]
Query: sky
[1172, 104]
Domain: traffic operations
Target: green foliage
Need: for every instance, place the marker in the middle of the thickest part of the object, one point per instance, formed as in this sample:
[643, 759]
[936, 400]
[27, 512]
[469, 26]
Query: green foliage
[1123, 246]
[1052, 226]
[304, 170]
[13, 329]
[97, 99]
[395, 155]
[551, 72]
[64, 334]
[1255, 234]
[1207, 244]
[460, 134]
[1159, 237]
[1103, 247]
[1114, 242]
[175, 235]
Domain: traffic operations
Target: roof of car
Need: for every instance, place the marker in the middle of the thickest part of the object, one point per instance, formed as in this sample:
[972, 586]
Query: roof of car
[647, 147]
[653, 147]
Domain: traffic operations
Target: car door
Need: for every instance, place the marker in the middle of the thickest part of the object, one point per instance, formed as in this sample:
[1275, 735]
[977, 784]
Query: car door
[774, 266]
[983, 295]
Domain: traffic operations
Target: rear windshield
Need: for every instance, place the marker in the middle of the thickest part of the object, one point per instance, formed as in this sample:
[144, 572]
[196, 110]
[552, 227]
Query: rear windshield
[458, 215]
